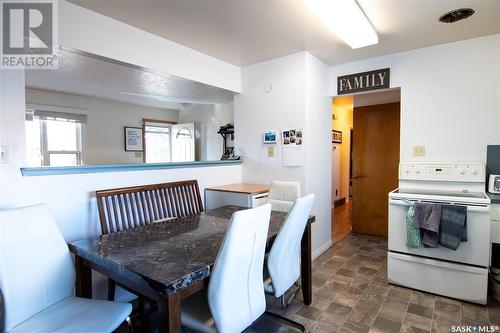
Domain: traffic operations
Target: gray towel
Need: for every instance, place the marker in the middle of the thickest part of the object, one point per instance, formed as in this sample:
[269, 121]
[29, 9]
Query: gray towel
[453, 227]
[427, 217]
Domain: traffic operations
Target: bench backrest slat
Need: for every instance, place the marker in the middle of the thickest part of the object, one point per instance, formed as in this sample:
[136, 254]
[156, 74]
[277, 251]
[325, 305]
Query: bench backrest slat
[130, 207]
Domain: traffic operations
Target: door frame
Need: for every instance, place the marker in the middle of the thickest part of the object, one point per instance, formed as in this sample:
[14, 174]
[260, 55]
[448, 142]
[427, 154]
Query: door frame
[332, 97]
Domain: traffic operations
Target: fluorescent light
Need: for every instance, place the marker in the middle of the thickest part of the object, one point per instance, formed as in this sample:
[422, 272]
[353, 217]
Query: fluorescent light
[345, 19]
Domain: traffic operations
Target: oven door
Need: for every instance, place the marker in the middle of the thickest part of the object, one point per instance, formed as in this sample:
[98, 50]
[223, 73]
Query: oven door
[476, 251]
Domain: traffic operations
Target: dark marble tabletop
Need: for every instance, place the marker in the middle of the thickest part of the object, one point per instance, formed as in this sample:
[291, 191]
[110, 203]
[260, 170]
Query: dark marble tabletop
[168, 256]
[2, 313]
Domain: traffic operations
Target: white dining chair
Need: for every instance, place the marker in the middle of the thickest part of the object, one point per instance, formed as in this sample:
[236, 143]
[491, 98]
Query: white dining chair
[283, 261]
[283, 194]
[37, 279]
[235, 296]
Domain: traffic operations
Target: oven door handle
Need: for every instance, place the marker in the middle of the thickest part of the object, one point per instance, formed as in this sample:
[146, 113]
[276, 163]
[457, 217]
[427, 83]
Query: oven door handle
[470, 209]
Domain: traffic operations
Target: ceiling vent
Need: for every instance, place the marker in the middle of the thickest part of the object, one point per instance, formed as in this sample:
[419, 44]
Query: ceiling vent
[456, 15]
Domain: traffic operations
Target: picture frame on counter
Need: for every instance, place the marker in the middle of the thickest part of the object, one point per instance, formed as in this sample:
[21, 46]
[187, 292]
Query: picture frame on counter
[336, 136]
[133, 138]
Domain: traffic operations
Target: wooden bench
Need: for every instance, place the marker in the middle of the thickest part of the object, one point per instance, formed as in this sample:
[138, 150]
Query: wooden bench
[130, 207]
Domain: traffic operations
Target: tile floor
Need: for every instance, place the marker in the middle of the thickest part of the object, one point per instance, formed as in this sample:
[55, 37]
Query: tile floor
[351, 294]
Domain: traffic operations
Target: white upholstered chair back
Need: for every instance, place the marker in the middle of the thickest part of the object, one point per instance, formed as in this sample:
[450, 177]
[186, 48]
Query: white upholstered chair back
[36, 269]
[283, 194]
[283, 262]
[235, 291]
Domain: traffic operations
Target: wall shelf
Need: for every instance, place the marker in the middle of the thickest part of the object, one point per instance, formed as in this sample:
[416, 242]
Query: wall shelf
[67, 170]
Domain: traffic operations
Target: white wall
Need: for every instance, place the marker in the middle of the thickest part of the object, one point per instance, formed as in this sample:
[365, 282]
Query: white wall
[85, 30]
[299, 99]
[256, 111]
[103, 131]
[208, 120]
[449, 97]
[318, 150]
[70, 197]
[11, 131]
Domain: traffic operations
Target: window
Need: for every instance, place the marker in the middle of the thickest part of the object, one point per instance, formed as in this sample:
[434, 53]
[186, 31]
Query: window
[53, 138]
[167, 142]
[157, 143]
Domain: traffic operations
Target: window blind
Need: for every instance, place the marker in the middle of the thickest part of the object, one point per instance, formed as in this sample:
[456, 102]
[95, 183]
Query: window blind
[56, 115]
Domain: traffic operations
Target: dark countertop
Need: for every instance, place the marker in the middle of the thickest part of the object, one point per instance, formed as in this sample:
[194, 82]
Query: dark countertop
[495, 198]
[243, 188]
[2, 313]
[168, 256]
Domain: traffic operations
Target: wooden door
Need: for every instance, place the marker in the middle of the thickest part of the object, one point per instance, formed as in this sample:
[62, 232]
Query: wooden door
[375, 165]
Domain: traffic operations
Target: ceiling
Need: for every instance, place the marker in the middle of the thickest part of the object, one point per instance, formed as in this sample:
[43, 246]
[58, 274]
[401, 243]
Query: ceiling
[244, 32]
[89, 75]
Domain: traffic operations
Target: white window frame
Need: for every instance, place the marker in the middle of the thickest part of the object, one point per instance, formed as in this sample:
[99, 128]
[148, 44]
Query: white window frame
[157, 123]
[165, 124]
[59, 112]
[45, 152]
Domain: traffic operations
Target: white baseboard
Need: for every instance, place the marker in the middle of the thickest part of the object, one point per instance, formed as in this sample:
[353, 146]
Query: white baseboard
[322, 249]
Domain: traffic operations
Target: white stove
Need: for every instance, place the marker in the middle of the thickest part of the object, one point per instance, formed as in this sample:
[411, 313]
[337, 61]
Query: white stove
[463, 273]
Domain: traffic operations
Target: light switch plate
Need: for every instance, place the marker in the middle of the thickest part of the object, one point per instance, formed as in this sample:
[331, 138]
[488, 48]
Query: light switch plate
[418, 150]
[4, 154]
[270, 151]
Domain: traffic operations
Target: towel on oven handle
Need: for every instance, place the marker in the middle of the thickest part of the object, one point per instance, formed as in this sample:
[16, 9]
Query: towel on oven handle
[453, 226]
[412, 234]
[428, 219]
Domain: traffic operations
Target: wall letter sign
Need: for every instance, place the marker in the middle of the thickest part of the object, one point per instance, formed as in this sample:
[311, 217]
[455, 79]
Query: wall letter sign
[373, 80]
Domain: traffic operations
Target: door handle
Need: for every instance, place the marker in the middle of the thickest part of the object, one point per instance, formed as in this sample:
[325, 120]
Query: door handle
[355, 176]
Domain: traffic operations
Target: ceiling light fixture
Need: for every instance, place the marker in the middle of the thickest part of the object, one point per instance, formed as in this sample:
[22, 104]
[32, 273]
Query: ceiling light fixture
[456, 15]
[345, 19]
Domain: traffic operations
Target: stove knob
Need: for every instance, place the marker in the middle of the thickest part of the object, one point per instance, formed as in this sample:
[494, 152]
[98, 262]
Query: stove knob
[418, 172]
[462, 172]
[407, 172]
[475, 172]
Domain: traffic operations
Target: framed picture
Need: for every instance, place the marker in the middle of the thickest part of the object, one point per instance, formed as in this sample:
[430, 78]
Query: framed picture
[270, 137]
[336, 136]
[133, 138]
[292, 137]
[298, 137]
[286, 137]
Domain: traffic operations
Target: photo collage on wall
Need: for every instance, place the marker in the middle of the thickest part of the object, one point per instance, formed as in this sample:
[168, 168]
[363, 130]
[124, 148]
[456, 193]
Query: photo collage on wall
[293, 137]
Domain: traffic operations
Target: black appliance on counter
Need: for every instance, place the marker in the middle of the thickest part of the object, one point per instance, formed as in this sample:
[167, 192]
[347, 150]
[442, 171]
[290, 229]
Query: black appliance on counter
[493, 167]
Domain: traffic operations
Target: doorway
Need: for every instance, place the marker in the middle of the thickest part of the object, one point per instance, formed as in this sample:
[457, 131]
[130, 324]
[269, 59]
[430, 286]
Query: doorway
[365, 161]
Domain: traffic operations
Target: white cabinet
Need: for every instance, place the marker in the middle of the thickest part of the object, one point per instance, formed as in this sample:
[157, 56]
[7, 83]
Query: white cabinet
[244, 195]
[465, 282]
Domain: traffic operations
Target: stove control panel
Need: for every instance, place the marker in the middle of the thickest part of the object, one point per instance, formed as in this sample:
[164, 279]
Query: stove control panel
[443, 171]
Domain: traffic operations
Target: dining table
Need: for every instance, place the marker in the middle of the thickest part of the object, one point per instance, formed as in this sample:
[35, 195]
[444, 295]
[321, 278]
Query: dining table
[170, 260]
